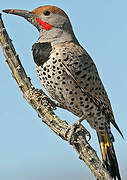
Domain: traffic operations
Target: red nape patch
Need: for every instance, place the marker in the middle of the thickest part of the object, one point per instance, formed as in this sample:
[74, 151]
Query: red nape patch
[43, 24]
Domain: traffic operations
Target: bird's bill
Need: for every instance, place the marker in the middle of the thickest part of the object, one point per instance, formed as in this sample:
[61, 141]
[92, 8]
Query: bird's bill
[24, 13]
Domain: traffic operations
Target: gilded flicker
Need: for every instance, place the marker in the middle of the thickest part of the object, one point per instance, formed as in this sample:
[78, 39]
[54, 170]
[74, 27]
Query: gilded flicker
[70, 76]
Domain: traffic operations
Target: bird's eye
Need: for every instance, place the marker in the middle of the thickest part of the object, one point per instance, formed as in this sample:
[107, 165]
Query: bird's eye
[46, 13]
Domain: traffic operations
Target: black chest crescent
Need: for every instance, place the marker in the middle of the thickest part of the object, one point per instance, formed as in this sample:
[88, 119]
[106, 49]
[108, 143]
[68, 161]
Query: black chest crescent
[41, 52]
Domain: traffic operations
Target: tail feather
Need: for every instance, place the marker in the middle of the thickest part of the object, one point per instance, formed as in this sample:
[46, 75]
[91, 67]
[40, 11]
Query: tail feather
[109, 156]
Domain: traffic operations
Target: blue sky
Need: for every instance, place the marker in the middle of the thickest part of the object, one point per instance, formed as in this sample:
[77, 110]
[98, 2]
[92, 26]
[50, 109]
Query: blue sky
[29, 150]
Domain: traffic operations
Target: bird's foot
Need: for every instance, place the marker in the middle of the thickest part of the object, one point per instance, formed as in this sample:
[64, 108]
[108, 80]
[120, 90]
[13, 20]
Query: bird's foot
[77, 126]
[45, 100]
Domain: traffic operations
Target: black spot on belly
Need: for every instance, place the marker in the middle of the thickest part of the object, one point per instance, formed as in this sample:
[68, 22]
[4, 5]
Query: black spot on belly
[101, 128]
[41, 52]
[63, 82]
[78, 72]
[83, 76]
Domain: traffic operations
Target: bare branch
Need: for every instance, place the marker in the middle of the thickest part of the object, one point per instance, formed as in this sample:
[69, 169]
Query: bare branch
[44, 107]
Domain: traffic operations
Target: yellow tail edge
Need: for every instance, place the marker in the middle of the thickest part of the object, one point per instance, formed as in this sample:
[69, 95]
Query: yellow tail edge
[109, 156]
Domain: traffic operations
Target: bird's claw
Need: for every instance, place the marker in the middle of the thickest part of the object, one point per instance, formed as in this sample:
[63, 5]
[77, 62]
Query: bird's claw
[45, 100]
[74, 128]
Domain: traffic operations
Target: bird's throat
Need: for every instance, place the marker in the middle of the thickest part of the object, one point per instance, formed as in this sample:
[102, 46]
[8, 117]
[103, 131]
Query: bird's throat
[43, 24]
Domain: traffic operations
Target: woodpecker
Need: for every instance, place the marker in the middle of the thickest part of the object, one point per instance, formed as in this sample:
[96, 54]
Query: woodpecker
[70, 77]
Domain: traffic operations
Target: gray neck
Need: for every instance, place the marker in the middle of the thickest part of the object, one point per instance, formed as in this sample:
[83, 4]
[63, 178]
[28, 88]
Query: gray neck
[56, 35]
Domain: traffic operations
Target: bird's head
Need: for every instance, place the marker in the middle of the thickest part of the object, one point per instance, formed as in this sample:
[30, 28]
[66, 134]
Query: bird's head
[49, 20]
